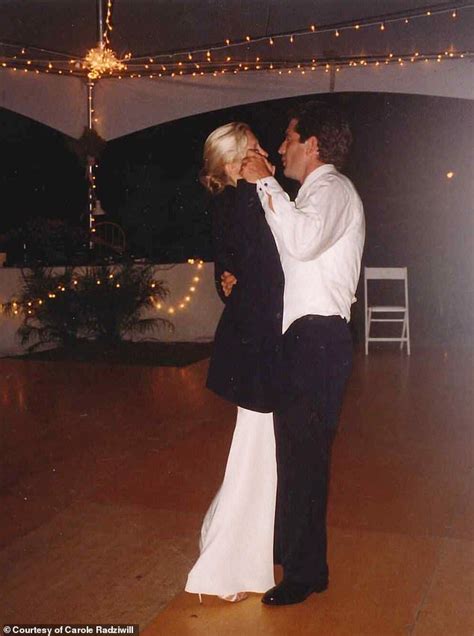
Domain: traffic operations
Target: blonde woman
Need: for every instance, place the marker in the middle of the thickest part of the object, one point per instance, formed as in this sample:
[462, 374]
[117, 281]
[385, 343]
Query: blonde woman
[236, 547]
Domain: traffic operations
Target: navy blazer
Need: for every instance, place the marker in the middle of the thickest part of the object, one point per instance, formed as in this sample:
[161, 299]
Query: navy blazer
[247, 343]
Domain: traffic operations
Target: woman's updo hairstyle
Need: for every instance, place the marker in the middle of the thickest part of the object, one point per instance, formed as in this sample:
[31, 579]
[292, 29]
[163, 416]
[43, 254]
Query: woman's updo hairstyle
[224, 145]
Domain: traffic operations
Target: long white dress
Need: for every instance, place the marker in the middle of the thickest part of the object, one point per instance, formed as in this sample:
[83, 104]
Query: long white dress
[237, 532]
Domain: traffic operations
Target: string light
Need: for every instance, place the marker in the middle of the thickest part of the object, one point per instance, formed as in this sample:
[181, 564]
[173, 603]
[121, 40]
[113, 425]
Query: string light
[213, 69]
[312, 30]
[184, 302]
[400, 59]
[108, 24]
[104, 62]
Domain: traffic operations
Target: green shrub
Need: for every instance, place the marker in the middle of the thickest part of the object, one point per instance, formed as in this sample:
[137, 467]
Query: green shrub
[104, 303]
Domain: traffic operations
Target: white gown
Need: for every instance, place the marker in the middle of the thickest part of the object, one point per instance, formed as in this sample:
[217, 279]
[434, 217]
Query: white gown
[237, 532]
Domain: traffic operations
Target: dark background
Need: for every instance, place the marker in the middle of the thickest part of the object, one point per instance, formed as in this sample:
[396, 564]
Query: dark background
[404, 147]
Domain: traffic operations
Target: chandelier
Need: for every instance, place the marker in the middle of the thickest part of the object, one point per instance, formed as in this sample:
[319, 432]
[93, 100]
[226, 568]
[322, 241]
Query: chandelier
[101, 61]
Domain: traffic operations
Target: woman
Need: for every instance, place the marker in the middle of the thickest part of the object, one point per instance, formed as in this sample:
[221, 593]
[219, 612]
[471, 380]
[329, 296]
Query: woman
[237, 533]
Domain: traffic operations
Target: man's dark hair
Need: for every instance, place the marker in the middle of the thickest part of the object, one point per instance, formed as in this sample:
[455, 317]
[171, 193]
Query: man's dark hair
[330, 127]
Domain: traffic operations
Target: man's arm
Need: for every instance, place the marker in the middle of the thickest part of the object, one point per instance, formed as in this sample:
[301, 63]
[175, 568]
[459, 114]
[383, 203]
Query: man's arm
[311, 229]
[306, 231]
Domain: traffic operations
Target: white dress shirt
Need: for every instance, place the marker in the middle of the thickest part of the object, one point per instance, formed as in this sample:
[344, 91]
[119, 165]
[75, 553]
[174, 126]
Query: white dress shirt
[320, 238]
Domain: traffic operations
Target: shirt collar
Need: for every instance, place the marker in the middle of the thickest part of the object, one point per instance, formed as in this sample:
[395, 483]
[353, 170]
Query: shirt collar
[314, 175]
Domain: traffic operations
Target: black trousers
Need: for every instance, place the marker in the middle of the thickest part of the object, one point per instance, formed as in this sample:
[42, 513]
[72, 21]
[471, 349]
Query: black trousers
[316, 364]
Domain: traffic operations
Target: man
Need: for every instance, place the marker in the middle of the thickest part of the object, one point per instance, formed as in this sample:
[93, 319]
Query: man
[320, 238]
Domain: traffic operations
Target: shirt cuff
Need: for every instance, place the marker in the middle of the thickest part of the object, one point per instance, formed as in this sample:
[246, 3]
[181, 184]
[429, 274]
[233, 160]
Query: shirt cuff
[269, 185]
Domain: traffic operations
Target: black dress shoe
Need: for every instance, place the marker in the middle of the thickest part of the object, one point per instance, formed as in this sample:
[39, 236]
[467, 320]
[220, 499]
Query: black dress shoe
[290, 592]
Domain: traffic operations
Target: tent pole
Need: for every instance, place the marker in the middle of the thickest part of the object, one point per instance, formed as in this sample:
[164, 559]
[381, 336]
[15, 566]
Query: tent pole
[90, 104]
[100, 23]
[332, 78]
[90, 160]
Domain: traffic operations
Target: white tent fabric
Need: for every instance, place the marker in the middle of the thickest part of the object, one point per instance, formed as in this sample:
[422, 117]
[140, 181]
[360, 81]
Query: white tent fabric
[59, 102]
[128, 105]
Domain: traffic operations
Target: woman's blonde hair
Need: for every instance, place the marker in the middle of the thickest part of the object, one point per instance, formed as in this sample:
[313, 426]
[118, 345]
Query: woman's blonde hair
[224, 145]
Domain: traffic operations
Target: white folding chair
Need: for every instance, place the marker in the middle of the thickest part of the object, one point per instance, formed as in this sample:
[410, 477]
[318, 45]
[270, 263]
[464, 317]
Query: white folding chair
[387, 273]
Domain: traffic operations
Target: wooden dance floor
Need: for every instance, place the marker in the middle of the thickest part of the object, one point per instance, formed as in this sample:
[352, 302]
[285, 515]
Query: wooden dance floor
[108, 470]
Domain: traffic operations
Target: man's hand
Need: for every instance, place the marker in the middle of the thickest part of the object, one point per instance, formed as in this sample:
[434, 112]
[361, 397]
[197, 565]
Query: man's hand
[228, 280]
[255, 166]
